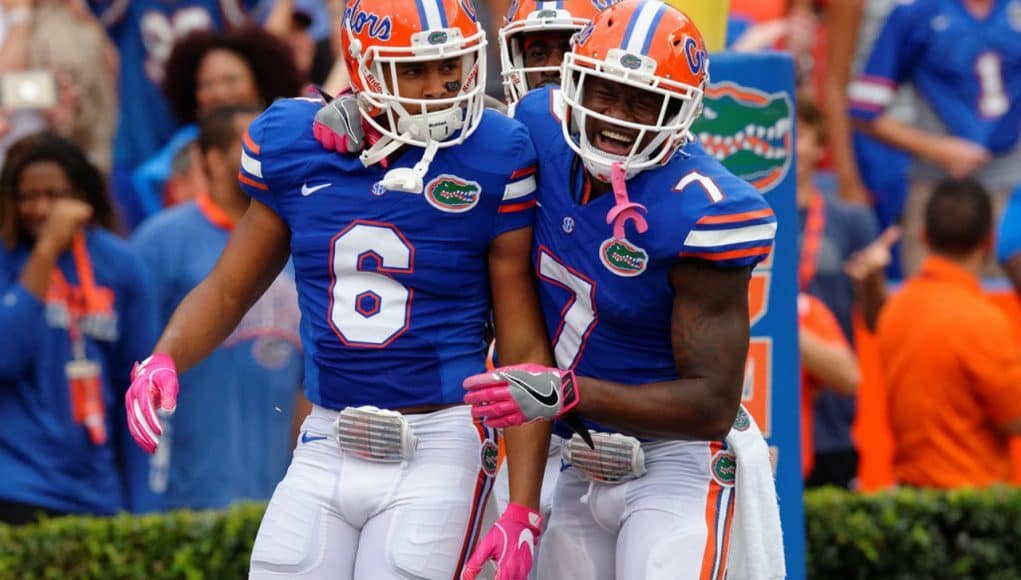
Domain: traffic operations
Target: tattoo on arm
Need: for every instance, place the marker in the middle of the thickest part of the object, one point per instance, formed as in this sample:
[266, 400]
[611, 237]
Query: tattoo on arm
[710, 326]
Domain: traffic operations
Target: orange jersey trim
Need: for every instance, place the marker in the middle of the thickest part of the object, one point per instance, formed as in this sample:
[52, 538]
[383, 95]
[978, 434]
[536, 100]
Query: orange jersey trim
[735, 217]
[248, 181]
[732, 254]
[517, 206]
[251, 145]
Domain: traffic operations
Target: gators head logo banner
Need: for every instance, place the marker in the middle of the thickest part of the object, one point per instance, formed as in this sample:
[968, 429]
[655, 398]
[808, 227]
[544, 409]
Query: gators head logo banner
[452, 194]
[749, 131]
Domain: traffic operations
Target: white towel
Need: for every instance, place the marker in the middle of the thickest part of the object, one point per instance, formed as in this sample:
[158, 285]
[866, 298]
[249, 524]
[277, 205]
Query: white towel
[756, 545]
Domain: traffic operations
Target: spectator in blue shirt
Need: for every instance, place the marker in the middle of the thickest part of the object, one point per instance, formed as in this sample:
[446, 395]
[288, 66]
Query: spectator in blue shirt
[75, 316]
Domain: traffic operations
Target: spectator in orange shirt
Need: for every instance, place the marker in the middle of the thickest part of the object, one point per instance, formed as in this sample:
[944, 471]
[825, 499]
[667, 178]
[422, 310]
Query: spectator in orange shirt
[827, 361]
[951, 363]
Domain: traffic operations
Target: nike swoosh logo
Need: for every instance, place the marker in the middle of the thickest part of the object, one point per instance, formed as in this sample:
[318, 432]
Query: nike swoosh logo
[549, 399]
[306, 438]
[526, 537]
[307, 191]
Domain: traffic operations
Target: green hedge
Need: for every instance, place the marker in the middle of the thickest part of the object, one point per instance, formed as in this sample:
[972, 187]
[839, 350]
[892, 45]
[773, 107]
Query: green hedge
[903, 534]
[915, 534]
[210, 545]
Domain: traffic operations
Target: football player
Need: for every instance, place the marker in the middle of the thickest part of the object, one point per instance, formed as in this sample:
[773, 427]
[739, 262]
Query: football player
[399, 254]
[644, 248]
[534, 38]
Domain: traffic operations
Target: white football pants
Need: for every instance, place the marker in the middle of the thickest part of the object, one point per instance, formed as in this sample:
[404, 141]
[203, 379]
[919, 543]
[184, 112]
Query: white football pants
[671, 524]
[338, 516]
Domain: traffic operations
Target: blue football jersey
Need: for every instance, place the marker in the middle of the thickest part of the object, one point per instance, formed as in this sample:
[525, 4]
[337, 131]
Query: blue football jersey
[144, 32]
[393, 287]
[608, 302]
[968, 70]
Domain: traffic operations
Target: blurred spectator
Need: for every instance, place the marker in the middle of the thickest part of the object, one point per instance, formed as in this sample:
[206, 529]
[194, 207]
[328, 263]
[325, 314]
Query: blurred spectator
[831, 232]
[70, 41]
[492, 14]
[145, 32]
[868, 171]
[248, 66]
[296, 23]
[963, 59]
[796, 31]
[15, 23]
[951, 362]
[1008, 247]
[827, 361]
[75, 317]
[231, 437]
[60, 44]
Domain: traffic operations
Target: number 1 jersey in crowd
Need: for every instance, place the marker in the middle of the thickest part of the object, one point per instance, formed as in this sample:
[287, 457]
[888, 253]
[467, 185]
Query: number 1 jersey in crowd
[608, 302]
[393, 287]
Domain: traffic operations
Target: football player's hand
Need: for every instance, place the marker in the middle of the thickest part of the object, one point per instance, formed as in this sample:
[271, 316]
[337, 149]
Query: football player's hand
[515, 395]
[153, 383]
[510, 543]
[338, 125]
[958, 157]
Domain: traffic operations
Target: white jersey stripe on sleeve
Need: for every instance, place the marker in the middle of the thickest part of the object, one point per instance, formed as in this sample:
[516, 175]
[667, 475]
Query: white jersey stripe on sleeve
[521, 188]
[713, 238]
[250, 164]
[870, 93]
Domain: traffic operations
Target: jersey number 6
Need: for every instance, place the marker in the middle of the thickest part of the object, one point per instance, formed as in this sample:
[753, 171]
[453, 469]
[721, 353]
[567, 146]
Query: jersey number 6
[368, 307]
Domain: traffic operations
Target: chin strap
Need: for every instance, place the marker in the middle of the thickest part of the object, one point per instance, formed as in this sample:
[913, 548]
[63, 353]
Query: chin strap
[624, 210]
[410, 180]
[380, 147]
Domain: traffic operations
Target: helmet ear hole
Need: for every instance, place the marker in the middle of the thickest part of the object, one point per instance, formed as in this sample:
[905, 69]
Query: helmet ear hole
[355, 49]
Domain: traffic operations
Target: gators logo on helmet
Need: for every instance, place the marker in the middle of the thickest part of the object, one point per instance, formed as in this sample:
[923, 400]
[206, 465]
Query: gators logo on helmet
[749, 131]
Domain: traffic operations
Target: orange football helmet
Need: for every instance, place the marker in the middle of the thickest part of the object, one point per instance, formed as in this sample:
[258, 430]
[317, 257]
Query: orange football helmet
[530, 16]
[644, 44]
[379, 34]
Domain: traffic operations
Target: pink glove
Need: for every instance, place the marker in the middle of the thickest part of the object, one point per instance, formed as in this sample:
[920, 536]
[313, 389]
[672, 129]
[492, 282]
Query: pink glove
[153, 382]
[338, 125]
[510, 542]
[517, 394]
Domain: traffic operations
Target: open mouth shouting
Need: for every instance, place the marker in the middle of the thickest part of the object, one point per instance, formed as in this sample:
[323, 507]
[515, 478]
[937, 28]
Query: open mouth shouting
[614, 140]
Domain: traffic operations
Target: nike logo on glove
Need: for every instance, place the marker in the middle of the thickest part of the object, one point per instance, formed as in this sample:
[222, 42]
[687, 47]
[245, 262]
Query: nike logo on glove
[307, 191]
[549, 399]
[526, 537]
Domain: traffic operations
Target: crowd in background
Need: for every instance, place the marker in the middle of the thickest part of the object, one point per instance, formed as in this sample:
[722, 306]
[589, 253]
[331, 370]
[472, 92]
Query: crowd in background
[132, 122]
